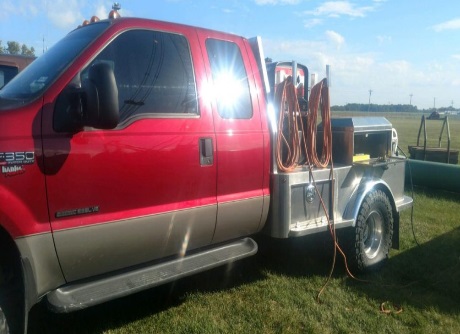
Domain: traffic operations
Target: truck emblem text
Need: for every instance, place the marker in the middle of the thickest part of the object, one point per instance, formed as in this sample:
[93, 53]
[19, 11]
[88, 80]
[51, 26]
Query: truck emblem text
[17, 158]
[12, 170]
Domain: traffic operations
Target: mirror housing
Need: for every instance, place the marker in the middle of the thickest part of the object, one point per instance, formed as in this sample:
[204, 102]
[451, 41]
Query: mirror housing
[95, 104]
[101, 92]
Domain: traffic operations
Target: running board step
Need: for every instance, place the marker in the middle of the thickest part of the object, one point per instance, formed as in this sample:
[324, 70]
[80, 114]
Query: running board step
[76, 296]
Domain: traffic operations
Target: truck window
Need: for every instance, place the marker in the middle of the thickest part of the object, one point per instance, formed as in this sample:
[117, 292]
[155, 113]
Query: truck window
[42, 72]
[6, 74]
[154, 74]
[231, 87]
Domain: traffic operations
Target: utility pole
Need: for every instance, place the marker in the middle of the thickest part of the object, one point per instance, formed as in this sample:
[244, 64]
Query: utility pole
[410, 100]
[369, 106]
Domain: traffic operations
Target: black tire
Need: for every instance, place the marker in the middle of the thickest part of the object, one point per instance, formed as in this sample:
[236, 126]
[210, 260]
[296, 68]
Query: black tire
[373, 233]
[3, 323]
[12, 319]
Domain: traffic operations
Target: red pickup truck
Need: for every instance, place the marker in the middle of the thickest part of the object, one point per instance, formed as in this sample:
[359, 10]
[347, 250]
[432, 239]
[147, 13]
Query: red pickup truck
[135, 152]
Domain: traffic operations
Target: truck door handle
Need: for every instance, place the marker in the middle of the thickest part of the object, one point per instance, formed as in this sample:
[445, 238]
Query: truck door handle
[206, 152]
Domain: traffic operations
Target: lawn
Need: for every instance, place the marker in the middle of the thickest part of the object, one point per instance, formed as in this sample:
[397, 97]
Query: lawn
[408, 125]
[276, 291]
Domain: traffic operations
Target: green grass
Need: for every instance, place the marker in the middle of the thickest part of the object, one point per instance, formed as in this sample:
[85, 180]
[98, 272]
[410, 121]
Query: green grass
[276, 290]
[408, 125]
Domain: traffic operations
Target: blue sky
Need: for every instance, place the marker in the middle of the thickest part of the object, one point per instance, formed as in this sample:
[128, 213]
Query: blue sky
[396, 48]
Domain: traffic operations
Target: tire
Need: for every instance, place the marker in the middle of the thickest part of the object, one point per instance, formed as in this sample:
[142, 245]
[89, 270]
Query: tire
[12, 308]
[373, 233]
[3, 323]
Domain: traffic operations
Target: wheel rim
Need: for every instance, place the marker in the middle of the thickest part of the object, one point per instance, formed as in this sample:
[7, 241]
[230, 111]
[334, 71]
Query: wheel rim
[373, 234]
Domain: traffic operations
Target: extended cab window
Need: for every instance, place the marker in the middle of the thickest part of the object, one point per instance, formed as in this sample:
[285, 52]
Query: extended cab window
[154, 73]
[231, 85]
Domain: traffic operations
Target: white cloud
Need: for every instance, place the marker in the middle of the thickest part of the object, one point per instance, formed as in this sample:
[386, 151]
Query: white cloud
[337, 40]
[102, 11]
[354, 73]
[21, 7]
[383, 39]
[448, 25]
[312, 22]
[340, 8]
[65, 14]
[276, 2]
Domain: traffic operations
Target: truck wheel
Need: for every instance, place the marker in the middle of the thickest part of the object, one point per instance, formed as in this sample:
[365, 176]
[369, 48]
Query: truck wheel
[11, 294]
[373, 232]
[3, 322]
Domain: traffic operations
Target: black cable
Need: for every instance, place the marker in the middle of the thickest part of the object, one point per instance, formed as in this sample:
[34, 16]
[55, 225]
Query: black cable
[413, 197]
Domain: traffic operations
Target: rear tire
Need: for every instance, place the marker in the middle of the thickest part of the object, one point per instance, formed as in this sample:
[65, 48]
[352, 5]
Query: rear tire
[3, 323]
[373, 233]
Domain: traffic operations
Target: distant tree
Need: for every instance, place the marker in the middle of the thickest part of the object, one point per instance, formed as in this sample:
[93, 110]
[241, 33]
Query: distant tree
[13, 47]
[25, 51]
[268, 60]
[365, 107]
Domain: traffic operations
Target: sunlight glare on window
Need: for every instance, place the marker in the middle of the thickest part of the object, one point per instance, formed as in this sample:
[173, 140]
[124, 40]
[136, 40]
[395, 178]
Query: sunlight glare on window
[227, 89]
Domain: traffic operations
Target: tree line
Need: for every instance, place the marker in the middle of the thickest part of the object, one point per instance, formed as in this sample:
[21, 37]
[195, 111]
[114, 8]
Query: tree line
[365, 107]
[376, 107]
[14, 48]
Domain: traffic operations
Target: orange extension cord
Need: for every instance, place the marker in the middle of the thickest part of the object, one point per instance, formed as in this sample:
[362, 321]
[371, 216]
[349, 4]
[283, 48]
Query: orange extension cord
[289, 110]
[286, 100]
[319, 97]
[289, 141]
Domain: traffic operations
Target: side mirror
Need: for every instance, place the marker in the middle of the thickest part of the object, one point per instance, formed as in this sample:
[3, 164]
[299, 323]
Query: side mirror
[95, 104]
[101, 93]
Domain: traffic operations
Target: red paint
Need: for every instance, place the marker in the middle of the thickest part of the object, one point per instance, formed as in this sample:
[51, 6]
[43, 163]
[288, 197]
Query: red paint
[149, 166]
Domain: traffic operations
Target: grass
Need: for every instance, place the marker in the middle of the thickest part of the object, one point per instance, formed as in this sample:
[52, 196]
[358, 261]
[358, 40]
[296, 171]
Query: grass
[408, 124]
[408, 130]
[276, 290]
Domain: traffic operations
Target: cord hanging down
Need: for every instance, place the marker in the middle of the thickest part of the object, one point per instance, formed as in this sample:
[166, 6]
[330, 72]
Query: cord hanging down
[288, 145]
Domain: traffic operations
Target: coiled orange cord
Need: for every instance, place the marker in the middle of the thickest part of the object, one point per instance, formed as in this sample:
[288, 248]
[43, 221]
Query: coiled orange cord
[289, 141]
[288, 107]
[319, 97]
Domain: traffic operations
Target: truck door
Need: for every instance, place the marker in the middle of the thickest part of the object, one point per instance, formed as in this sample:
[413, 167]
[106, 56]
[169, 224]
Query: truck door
[146, 189]
[240, 138]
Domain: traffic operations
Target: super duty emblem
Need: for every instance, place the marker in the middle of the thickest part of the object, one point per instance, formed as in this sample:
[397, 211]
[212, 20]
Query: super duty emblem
[17, 158]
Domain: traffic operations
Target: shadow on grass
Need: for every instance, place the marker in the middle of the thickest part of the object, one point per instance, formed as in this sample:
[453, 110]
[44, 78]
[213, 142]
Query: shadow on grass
[302, 257]
[424, 277]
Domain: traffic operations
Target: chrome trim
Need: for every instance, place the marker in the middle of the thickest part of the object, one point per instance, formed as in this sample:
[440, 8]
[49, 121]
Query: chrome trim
[364, 188]
[405, 203]
[87, 293]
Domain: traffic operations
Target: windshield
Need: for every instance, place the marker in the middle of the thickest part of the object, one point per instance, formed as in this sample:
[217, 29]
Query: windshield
[31, 82]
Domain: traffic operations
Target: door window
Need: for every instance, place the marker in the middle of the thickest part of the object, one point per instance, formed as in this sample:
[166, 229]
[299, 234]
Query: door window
[231, 87]
[154, 74]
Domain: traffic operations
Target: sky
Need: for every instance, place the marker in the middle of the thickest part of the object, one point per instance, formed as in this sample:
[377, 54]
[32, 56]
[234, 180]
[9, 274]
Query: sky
[388, 51]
